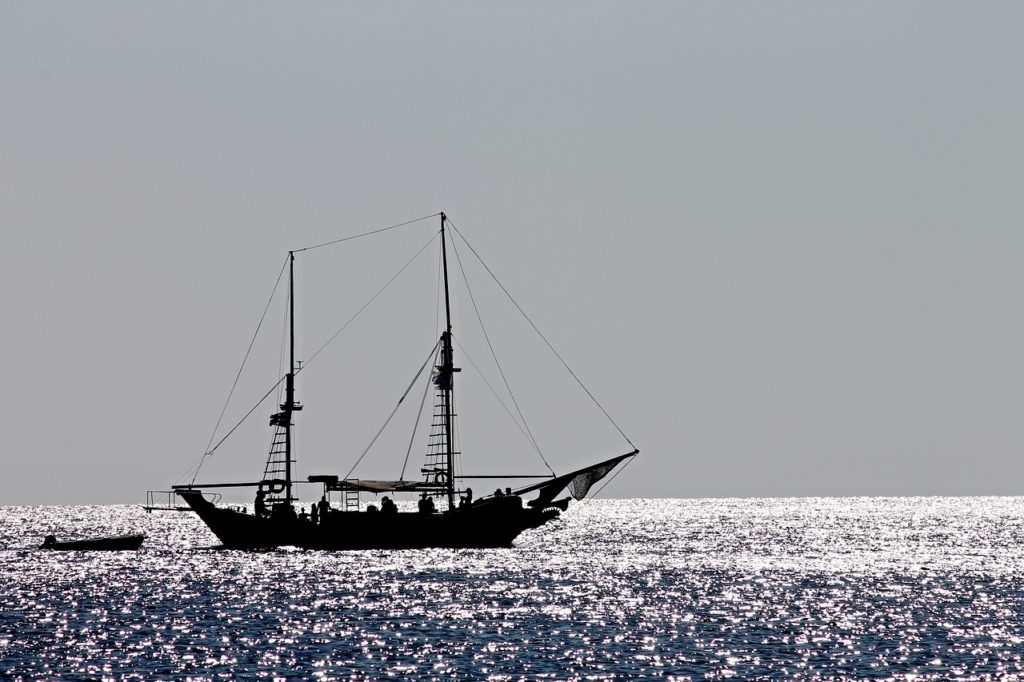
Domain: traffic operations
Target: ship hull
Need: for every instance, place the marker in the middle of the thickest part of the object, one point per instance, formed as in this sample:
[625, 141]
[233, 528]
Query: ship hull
[486, 524]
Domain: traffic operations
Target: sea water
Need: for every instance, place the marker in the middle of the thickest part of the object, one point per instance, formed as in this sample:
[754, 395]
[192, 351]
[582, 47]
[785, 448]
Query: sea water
[826, 588]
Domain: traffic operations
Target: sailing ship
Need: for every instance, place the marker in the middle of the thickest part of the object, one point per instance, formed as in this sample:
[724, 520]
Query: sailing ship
[447, 514]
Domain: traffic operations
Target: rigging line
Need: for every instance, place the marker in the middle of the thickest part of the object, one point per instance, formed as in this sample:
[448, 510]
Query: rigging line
[501, 402]
[247, 415]
[544, 338]
[366, 234]
[234, 384]
[494, 355]
[367, 304]
[419, 415]
[194, 469]
[433, 353]
[210, 451]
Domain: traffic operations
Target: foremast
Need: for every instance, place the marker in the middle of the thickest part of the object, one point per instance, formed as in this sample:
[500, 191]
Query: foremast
[283, 419]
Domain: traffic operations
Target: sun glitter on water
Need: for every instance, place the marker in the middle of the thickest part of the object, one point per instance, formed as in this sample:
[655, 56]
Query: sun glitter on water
[818, 588]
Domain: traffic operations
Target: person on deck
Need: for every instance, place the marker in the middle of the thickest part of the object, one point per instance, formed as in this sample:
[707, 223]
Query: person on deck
[260, 505]
[324, 508]
[388, 506]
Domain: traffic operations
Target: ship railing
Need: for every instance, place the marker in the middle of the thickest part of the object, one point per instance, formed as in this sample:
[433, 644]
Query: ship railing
[167, 500]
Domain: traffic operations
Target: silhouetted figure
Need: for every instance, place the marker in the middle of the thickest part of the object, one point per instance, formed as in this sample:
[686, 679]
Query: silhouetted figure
[469, 497]
[388, 506]
[508, 492]
[324, 507]
[426, 504]
[303, 516]
[260, 506]
[314, 514]
[498, 493]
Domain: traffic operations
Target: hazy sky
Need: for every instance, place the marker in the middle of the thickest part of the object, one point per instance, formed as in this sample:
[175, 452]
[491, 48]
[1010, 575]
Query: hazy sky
[781, 242]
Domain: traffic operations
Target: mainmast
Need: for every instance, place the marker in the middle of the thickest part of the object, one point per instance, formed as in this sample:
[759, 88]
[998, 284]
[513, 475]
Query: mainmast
[447, 372]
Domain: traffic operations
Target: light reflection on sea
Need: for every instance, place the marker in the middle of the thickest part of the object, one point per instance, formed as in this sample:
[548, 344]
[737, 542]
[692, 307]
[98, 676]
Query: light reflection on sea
[852, 588]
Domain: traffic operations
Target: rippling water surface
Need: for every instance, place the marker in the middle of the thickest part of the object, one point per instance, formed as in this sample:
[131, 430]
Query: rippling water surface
[855, 588]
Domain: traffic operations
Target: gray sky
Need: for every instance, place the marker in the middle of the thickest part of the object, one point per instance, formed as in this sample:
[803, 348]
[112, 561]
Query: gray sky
[781, 242]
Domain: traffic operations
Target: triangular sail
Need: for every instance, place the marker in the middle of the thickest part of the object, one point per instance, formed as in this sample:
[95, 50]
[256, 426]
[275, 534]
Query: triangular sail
[581, 484]
[578, 482]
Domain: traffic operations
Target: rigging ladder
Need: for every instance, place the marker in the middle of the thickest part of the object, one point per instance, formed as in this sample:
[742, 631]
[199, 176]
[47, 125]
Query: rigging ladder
[435, 470]
[277, 464]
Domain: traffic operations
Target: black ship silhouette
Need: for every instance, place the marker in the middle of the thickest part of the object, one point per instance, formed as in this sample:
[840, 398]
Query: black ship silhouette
[448, 516]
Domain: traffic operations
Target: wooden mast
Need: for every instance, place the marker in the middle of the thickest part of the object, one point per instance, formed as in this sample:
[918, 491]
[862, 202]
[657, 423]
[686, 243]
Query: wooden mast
[289, 387]
[447, 373]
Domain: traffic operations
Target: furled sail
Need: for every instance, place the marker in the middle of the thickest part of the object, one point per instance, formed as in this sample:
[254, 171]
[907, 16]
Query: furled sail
[578, 482]
[374, 486]
[581, 484]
